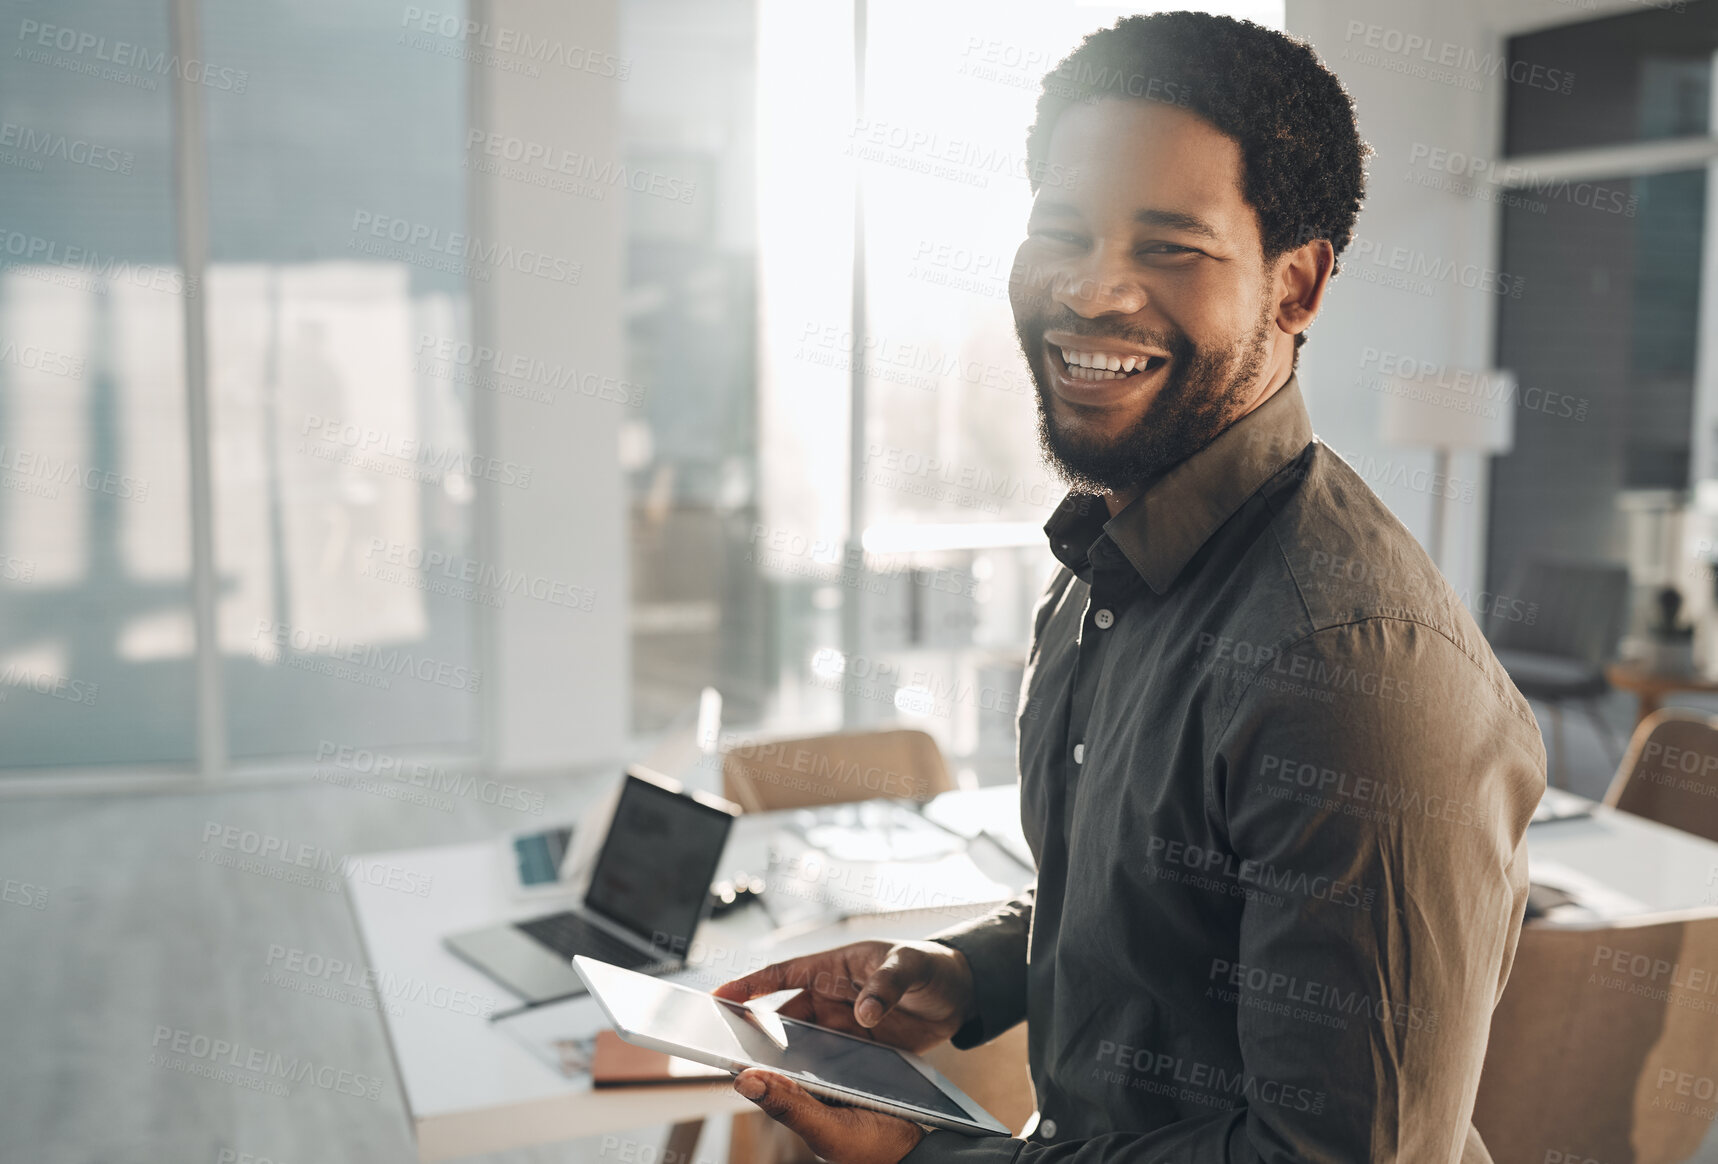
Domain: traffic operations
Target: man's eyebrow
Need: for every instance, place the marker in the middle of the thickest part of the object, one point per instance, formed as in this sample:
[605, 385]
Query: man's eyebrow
[1177, 220]
[1167, 219]
[1065, 208]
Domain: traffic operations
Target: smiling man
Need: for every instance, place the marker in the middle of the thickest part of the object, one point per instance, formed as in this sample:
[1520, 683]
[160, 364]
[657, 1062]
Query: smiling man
[1276, 783]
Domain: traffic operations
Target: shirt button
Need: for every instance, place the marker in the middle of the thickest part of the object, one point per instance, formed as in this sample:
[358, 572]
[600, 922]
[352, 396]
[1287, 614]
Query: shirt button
[1104, 619]
[1079, 753]
[1047, 1129]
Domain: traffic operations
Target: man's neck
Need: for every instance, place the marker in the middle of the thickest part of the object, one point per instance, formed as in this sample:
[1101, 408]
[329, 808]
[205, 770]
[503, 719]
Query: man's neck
[1117, 500]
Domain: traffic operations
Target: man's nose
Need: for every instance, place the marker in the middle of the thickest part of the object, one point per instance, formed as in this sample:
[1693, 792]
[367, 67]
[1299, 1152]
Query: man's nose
[1102, 284]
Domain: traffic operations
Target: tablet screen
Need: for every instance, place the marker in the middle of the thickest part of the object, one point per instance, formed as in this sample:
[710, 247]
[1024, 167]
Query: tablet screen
[815, 1053]
[692, 1019]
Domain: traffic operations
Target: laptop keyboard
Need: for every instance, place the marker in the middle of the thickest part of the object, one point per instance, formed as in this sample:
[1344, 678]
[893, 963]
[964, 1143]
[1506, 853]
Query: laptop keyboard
[568, 934]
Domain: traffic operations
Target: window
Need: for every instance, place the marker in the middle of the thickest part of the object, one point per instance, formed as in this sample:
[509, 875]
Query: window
[337, 450]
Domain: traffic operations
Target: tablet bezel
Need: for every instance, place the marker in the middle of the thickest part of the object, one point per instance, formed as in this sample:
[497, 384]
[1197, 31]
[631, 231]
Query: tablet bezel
[978, 1122]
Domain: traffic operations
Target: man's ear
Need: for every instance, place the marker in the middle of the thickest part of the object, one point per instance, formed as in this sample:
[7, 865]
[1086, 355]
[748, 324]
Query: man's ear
[1302, 276]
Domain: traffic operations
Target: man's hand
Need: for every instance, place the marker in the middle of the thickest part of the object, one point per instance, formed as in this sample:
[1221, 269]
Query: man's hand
[911, 995]
[842, 1135]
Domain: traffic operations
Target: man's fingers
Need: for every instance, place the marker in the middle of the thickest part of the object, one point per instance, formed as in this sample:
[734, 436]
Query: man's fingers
[801, 1006]
[756, 984]
[902, 970]
[792, 1106]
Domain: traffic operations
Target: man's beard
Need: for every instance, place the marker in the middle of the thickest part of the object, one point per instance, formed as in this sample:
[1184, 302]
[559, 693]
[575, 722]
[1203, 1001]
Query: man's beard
[1204, 391]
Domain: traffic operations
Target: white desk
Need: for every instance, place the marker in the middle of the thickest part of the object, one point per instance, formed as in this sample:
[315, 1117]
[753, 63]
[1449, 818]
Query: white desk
[1664, 870]
[471, 1089]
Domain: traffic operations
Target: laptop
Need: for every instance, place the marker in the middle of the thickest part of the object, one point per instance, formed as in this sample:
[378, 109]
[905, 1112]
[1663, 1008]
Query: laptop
[648, 890]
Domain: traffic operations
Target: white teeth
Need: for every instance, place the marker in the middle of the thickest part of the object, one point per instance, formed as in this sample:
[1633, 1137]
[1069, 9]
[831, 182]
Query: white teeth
[1101, 362]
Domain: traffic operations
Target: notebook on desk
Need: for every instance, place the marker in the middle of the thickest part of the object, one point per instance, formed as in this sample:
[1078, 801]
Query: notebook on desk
[1557, 805]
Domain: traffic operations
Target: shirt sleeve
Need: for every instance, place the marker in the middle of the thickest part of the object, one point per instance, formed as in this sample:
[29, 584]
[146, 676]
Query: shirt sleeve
[1379, 838]
[995, 947]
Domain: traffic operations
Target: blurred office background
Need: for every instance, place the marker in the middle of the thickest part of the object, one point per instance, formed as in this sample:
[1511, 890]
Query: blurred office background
[474, 383]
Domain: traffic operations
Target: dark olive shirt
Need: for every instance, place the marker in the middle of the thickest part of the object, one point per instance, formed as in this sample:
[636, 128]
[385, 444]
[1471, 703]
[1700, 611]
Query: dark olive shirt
[1277, 787]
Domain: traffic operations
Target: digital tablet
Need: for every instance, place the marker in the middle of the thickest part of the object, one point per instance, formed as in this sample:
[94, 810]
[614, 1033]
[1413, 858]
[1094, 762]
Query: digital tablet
[842, 1068]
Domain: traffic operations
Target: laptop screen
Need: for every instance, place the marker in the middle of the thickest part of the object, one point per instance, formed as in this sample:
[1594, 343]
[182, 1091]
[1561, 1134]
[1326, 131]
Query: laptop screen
[653, 873]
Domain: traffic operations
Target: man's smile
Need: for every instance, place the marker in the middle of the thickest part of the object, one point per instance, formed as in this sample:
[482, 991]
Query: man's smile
[1089, 371]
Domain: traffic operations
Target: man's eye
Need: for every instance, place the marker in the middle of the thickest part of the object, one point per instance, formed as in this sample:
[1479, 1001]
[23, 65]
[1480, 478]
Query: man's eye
[1171, 249]
[1066, 236]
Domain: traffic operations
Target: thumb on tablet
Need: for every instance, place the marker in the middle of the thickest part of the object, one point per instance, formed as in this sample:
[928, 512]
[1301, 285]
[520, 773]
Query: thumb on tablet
[902, 970]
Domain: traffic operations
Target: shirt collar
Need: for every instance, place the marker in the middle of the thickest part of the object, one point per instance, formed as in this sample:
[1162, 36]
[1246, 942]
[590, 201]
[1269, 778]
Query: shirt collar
[1162, 528]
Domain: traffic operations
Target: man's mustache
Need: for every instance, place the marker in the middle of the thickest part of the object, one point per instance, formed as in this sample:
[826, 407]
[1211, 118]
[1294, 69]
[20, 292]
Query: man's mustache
[1076, 325]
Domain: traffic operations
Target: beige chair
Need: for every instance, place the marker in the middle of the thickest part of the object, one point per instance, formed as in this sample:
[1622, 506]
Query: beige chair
[1670, 772]
[765, 776]
[1604, 1045]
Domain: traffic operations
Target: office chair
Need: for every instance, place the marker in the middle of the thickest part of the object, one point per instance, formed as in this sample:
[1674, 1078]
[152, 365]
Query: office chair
[1560, 656]
[1670, 772]
[766, 775]
[1598, 1041]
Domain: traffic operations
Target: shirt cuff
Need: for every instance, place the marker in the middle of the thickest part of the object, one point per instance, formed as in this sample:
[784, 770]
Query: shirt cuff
[958, 1149]
[996, 952]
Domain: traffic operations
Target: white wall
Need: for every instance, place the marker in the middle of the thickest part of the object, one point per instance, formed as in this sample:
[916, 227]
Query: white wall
[1455, 324]
[561, 676]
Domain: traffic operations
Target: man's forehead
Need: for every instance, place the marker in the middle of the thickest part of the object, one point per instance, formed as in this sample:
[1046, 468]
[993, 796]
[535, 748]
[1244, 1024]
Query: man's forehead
[1163, 159]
